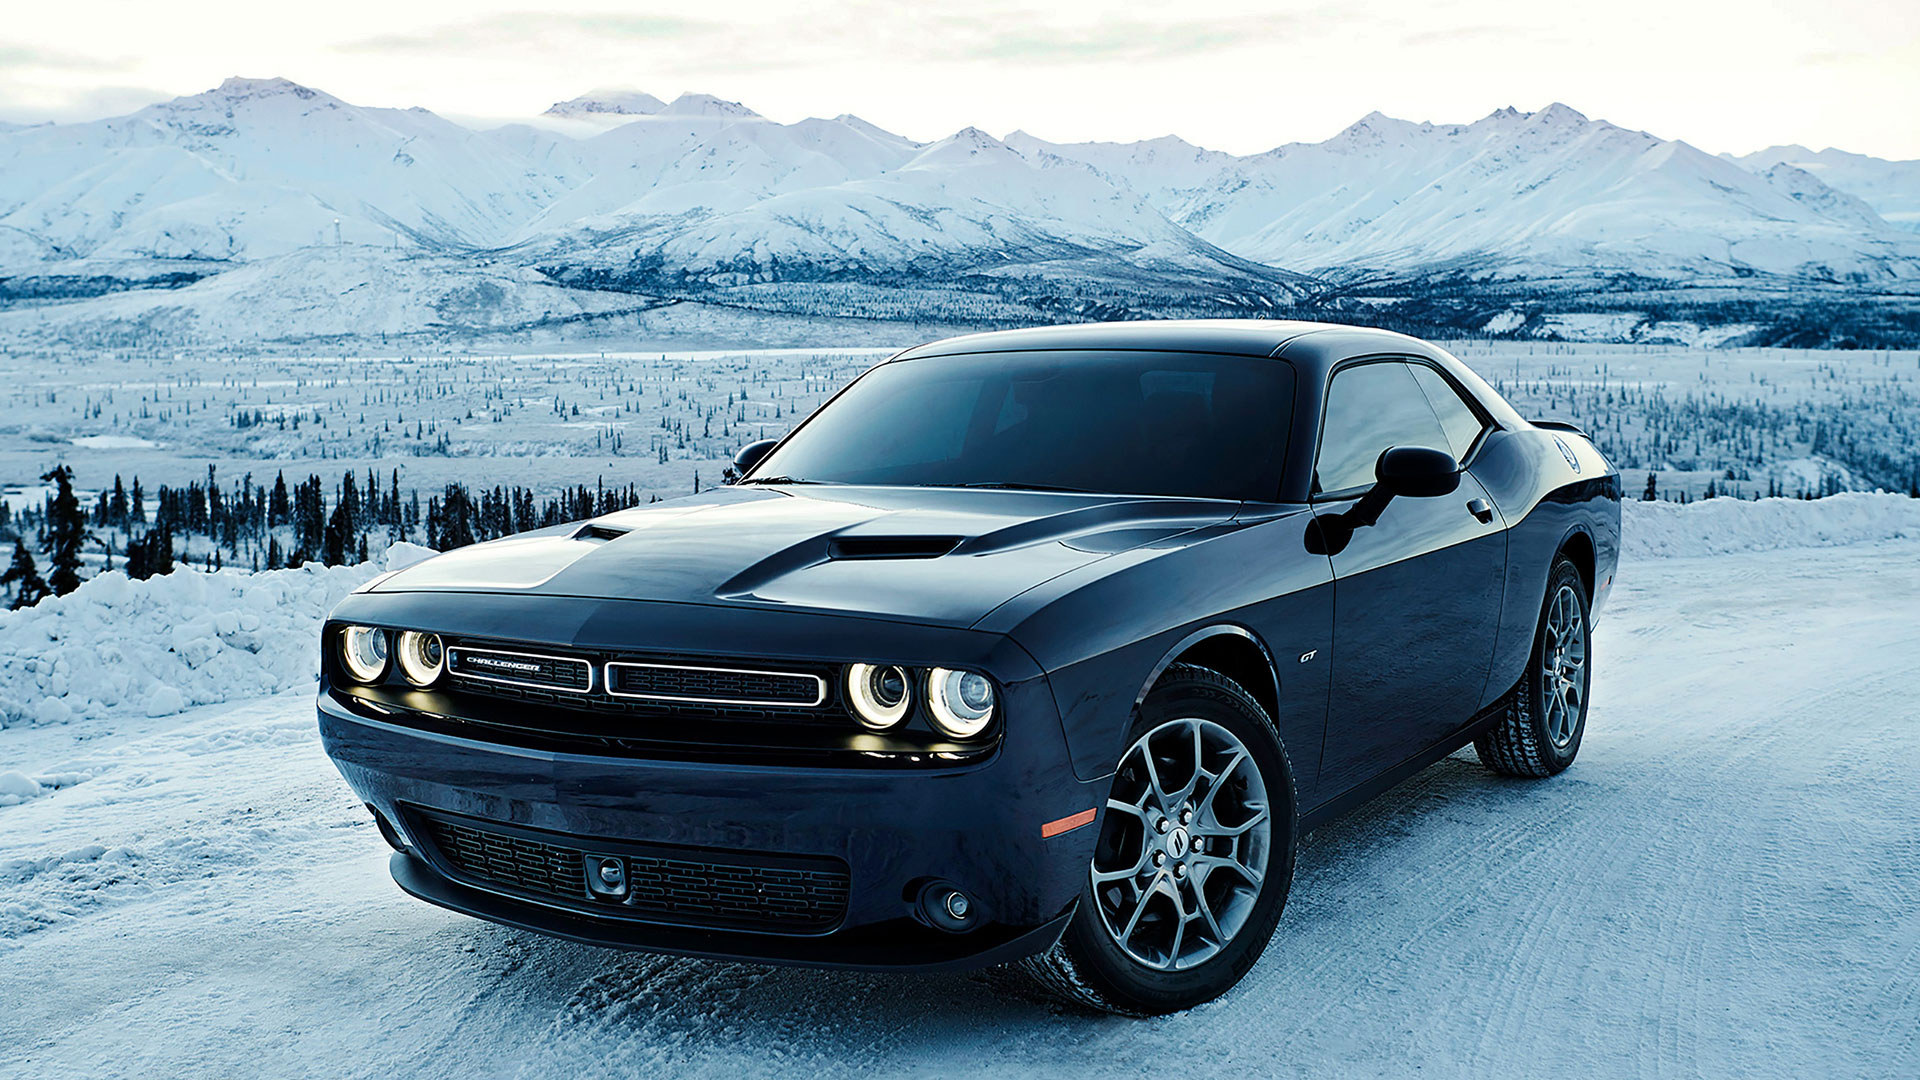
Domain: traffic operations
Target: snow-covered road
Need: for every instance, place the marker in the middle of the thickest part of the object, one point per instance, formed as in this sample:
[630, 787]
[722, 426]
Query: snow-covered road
[1727, 883]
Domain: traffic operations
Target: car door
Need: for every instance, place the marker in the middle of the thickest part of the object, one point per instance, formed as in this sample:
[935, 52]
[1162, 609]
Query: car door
[1417, 594]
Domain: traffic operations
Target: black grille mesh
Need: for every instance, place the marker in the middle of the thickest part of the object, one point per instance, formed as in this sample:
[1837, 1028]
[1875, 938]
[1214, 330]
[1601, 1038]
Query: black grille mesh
[685, 888]
[509, 860]
[719, 687]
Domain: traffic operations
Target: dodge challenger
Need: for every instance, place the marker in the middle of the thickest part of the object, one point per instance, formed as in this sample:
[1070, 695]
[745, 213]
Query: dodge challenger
[1040, 647]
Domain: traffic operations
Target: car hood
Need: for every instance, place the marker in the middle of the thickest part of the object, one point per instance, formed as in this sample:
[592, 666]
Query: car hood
[942, 556]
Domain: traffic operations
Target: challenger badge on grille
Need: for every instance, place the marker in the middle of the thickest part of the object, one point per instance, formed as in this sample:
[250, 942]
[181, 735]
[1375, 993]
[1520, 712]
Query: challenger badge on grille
[543, 672]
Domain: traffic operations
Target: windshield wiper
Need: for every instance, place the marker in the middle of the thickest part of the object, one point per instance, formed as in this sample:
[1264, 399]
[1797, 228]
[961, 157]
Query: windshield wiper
[779, 480]
[1011, 485]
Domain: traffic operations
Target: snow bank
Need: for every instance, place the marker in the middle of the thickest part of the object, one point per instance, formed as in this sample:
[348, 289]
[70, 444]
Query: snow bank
[1719, 526]
[168, 643]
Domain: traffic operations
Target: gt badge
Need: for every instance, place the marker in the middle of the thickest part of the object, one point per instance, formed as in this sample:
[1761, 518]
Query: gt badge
[1308, 655]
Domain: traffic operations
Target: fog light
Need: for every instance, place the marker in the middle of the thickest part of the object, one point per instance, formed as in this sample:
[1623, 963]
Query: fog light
[948, 908]
[606, 877]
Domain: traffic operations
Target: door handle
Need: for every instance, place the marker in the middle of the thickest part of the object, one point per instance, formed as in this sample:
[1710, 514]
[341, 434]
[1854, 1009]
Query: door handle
[1479, 508]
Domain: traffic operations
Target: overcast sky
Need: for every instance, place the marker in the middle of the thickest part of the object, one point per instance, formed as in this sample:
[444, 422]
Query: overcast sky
[1243, 75]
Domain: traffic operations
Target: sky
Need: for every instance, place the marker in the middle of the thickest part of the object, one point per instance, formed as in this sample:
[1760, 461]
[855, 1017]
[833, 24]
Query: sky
[1240, 75]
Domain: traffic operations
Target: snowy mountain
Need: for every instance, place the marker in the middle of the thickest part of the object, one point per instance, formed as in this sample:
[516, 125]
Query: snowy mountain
[262, 167]
[614, 104]
[831, 200]
[642, 201]
[1892, 188]
[1543, 194]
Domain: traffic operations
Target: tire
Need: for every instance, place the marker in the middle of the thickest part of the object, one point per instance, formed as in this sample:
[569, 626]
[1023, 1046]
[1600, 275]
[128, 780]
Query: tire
[1546, 714]
[1176, 957]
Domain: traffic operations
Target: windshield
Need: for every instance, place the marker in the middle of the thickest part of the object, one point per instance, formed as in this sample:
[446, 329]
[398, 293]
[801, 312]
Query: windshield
[1182, 424]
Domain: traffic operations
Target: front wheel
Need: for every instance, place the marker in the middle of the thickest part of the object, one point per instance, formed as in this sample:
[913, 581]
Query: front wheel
[1194, 859]
[1546, 715]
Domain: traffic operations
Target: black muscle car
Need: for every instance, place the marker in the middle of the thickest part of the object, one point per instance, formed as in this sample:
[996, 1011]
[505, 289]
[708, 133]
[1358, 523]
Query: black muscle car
[1042, 646]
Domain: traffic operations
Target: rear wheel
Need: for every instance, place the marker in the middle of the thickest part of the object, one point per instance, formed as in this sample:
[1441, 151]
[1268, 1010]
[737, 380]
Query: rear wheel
[1540, 733]
[1194, 859]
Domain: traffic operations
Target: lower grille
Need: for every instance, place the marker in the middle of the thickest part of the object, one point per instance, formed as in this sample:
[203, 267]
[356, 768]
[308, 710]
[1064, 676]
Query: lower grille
[527, 865]
[682, 886]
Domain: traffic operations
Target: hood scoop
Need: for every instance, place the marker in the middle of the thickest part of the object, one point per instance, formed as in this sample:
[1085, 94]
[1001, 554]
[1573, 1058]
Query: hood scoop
[891, 547]
[595, 533]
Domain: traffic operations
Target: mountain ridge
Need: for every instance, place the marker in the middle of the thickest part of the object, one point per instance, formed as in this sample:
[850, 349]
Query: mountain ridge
[704, 200]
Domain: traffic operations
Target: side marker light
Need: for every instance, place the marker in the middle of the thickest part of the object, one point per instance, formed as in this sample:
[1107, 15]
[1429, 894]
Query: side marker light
[1066, 824]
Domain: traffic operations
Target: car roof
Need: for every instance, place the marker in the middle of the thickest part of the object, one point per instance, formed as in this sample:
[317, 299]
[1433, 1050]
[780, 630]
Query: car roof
[1246, 337]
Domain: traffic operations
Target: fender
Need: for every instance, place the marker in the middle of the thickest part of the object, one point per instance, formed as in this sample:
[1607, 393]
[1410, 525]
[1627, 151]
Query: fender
[1272, 683]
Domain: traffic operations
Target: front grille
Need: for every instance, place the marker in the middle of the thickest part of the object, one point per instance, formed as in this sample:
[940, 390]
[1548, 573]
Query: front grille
[714, 686]
[682, 886]
[535, 670]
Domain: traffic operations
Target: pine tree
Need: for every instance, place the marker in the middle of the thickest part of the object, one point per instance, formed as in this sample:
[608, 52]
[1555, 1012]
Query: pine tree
[279, 511]
[1652, 488]
[24, 577]
[333, 549]
[66, 531]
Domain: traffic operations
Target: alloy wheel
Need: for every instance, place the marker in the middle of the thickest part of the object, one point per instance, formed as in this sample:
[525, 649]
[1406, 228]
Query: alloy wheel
[1183, 850]
[1563, 667]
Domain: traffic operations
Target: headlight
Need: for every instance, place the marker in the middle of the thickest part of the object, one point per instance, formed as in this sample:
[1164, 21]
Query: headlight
[961, 701]
[363, 652]
[880, 694]
[421, 657]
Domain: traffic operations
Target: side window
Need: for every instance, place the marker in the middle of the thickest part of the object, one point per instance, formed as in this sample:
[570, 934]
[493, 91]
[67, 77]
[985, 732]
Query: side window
[1369, 408]
[1462, 424]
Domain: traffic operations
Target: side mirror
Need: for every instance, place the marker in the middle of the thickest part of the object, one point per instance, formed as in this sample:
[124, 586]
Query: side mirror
[1416, 472]
[746, 459]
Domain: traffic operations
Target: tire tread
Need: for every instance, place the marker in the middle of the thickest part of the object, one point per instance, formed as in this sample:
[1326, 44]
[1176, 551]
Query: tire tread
[1513, 746]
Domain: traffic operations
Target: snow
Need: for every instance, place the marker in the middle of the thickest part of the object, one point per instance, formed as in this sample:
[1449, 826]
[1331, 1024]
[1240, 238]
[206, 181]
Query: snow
[311, 219]
[1723, 526]
[113, 442]
[156, 647]
[1891, 188]
[1527, 194]
[1721, 886]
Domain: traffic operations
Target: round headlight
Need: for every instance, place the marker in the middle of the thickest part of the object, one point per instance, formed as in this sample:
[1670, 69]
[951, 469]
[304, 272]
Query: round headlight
[879, 693]
[363, 652]
[421, 656]
[961, 702]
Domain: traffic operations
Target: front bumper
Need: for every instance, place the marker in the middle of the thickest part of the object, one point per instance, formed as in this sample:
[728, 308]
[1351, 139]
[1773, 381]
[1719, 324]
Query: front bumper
[976, 827]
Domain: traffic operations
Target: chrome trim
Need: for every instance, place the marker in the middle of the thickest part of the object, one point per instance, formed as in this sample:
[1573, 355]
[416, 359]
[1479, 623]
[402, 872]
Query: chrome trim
[451, 649]
[820, 685]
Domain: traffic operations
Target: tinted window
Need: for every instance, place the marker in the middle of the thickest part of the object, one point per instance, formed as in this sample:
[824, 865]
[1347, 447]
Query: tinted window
[1369, 408]
[1462, 424]
[1124, 422]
